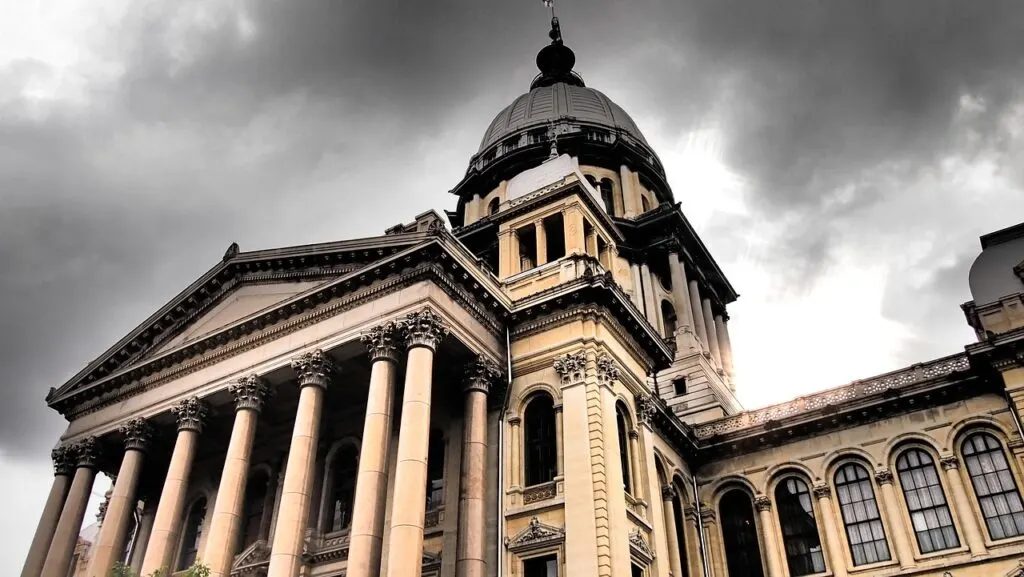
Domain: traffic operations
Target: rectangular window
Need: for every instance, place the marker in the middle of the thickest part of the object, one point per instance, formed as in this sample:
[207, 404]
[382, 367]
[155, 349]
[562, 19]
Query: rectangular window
[527, 247]
[679, 385]
[554, 234]
[637, 571]
[546, 566]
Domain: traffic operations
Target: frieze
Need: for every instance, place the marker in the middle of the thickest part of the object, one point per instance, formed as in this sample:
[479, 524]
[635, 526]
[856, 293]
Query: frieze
[481, 374]
[63, 458]
[536, 534]
[250, 392]
[423, 328]
[639, 546]
[382, 341]
[191, 414]
[313, 368]
[137, 434]
[571, 367]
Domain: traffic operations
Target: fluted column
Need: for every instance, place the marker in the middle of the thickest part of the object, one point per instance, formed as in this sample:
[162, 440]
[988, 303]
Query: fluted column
[65, 537]
[724, 345]
[675, 561]
[470, 552]
[771, 548]
[823, 493]
[698, 316]
[314, 372]
[897, 526]
[367, 532]
[110, 541]
[969, 523]
[63, 468]
[709, 324]
[249, 393]
[423, 332]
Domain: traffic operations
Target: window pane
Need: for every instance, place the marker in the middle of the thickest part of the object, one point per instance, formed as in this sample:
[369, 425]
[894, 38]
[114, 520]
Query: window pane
[864, 530]
[539, 440]
[929, 514]
[994, 486]
[742, 554]
[799, 528]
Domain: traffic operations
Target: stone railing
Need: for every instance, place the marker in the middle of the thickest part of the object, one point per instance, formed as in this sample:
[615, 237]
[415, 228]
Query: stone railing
[831, 397]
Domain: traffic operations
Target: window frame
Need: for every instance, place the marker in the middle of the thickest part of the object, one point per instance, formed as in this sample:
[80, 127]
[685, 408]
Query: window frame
[524, 474]
[779, 485]
[755, 522]
[883, 521]
[898, 478]
[326, 520]
[1010, 468]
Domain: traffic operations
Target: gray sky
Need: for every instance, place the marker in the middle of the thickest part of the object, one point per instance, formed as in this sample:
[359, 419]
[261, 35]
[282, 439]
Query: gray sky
[839, 158]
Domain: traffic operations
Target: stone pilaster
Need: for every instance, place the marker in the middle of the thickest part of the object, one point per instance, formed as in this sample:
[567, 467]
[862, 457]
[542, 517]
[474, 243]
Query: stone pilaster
[897, 526]
[962, 506]
[63, 468]
[833, 541]
[65, 536]
[771, 544]
[675, 561]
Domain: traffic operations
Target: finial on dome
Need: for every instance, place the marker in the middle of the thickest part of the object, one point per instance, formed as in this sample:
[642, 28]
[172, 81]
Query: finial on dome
[555, 60]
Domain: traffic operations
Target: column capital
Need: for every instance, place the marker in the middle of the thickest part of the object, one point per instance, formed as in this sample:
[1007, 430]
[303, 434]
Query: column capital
[607, 372]
[514, 421]
[191, 414]
[423, 328]
[250, 392]
[646, 408]
[668, 492]
[87, 453]
[949, 462]
[883, 477]
[63, 460]
[762, 503]
[822, 491]
[137, 434]
[570, 367]
[481, 373]
[382, 341]
[313, 368]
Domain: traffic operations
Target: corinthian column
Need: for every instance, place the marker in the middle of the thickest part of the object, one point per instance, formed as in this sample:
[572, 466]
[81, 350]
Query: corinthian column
[249, 393]
[366, 534]
[314, 370]
[63, 467]
[823, 493]
[764, 511]
[675, 561]
[190, 414]
[469, 556]
[65, 537]
[709, 324]
[972, 531]
[423, 332]
[123, 499]
[684, 316]
[904, 553]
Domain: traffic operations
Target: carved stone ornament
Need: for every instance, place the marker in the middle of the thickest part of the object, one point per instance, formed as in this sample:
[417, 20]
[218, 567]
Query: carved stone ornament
[949, 462]
[668, 492]
[538, 493]
[883, 477]
[63, 460]
[137, 434]
[536, 534]
[313, 368]
[571, 367]
[481, 374]
[607, 372]
[191, 414]
[1017, 571]
[253, 560]
[821, 490]
[762, 503]
[250, 392]
[423, 329]
[87, 453]
[639, 546]
[646, 408]
[382, 341]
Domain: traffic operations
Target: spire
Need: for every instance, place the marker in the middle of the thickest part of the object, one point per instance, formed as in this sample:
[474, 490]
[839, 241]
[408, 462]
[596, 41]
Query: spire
[556, 60]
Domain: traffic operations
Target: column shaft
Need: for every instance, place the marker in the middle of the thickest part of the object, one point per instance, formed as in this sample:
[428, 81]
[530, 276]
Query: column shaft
[651, 299]
[110, 542]
[725, 343]
[405, 550]
[898, 528]
[972, 531]
[634, 464]
[559, 445]
[638, 293]
[684, 316]
[227, 509]
[65, 537]
[470, 553]
[47, 524]
[698, 316]
[674, 559]
[771, 547]
[542, 242]
[169, 511]
[515, 441]
[833, 541]
[293, 512]
[367, 531]
[709, 325]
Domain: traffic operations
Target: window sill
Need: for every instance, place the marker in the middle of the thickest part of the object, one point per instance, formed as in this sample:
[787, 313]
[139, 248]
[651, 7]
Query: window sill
[1008, 542]
[871, 568]
[942, 553]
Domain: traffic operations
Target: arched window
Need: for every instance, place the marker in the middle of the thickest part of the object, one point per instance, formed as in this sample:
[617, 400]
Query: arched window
[606, 195]
[344, 468]
[994, 486]
[668, 317]
[620, 423]
[435, 470]
[677, 512]
[539, 440]
[192, 533]
[255, 505]
[859, 509]
[739, 534]
[492, 207]
[929, 513]
[799, 529]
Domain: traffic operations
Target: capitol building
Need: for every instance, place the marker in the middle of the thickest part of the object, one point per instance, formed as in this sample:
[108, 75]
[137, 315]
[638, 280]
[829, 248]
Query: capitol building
[538, 383]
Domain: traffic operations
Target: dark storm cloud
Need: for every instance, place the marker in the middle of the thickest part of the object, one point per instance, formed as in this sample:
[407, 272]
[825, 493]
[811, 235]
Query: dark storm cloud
[263, 121]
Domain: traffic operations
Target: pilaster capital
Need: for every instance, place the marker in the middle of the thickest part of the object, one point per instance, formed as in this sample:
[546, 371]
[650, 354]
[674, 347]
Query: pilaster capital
[313, 368]
[821, 491]
[423, 328]
[63, 460]
[1015, 443]
[634, 434]
[646, 408]
[949, 462]
[883, 477]
[137, 434]
[87, 453]
[191, 414]
[250, 392]
[762, 503]
[514, 421]
[607, 372]
[668, 492]
[481, 373]
[571, 367]
[382, 341]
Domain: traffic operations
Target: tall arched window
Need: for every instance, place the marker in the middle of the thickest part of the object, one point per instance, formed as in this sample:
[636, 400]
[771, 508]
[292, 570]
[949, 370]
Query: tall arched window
[994, 486]
[539, 440]
[344, 468]
[620, 424]
[859, 509]
[677, 512]
[739, 534]
[799, 529]
[668, 317]
[606, 195]
[255, 505]
[492, 207]
[191, 535]
[929, 513]
[435, 470]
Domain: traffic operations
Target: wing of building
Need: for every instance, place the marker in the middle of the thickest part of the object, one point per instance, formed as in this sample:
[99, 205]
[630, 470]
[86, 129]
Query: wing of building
[544, 388]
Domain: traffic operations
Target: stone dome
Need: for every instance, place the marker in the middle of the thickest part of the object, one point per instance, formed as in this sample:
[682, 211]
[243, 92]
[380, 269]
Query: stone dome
[544, 105]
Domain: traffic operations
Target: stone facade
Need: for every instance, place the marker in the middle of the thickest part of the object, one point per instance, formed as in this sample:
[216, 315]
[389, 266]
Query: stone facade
[545, 389]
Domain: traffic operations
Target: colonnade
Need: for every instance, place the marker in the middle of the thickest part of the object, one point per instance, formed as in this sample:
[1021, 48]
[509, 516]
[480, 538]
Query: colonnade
[419, 333]
[696, 316]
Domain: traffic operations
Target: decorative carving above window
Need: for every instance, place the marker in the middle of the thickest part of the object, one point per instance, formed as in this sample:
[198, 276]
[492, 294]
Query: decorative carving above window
[539, 493]
[535, 536]
[639, 547]
[254, 560]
